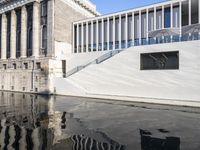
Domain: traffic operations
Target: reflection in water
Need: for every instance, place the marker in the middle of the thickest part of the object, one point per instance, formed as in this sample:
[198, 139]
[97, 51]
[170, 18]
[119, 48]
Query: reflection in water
[152, 143]
[30, 122]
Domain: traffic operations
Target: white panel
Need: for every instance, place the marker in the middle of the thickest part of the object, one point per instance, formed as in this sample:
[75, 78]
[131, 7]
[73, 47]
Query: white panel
[144, 26]
[151, 21]
[136, 26]
[87, 37]
[176, 17]
[113, 32]
[159, 19]
[199, 10]
[190, 12]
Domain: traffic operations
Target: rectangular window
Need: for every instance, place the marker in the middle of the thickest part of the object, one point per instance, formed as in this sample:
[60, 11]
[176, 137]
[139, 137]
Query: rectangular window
[38, 65]
[4, 66]
[8, 33]
[25, 65]
[14, 66]
[185, 13]
[194, 9]
[94, 36]
[167, 17]
[159, 61]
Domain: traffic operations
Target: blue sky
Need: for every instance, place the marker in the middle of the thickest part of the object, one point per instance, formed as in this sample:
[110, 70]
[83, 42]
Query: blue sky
[110, 6]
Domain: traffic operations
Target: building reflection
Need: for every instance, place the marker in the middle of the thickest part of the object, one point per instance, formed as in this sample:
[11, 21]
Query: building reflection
[149, 142]
[31, 122]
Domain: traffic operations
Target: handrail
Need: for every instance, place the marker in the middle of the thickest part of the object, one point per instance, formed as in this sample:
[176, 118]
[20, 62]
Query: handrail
[96, 61]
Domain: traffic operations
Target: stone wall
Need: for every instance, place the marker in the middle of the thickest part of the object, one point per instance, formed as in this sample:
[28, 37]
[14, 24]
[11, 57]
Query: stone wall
[22, 78]
[65, 15]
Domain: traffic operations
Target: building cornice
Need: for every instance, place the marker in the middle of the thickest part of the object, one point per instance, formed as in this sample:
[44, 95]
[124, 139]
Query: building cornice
[13, 4]
[143, 8]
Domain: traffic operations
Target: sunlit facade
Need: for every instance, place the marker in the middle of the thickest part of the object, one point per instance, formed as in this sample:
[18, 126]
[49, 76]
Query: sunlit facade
[170, 21]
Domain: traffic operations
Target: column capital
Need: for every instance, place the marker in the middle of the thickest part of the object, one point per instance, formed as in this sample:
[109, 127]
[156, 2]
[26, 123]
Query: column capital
[3, 15]
[13, 12]
[23, 8]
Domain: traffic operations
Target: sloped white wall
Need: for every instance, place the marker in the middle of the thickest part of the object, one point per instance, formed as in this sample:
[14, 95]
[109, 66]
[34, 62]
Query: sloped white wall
[121, 76]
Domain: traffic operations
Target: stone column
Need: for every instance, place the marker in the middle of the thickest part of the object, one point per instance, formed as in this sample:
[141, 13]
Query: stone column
[4, 36]
[154, 19]
[163, 17]
[140, 27]
[120, 34]
[199, 10]
[50, 29]
[190, 13]
[13, 34]
[180, 19]
[102, 34]
[126, 30]
[92, 36]
[108, 32]
[77, 37]
[36, 29]
[23, 32]
[147, 25]
[113, 32]
[97, 35]
[87, 36]
[82, 41]
[133, 29]
[171, 17]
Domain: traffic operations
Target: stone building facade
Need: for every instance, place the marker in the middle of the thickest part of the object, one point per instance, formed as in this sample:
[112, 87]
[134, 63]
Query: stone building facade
[35, 41]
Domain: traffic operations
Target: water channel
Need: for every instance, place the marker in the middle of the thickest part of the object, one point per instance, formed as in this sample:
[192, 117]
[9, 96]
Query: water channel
[37, 122]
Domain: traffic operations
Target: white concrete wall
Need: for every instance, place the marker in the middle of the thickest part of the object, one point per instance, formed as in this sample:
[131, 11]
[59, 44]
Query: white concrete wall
[79, 59]
[121, 77]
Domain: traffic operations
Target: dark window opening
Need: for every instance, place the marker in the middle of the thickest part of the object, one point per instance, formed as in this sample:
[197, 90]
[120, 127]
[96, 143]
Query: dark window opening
[167, 17]
[159, 61]
[25, 65]
[44, 28]
[8, 33]
[4, 66]
[38, 65]
[14, 66]
[29, 30]
[18, 36]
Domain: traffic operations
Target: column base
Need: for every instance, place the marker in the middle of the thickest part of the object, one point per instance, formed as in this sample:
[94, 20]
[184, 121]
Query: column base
[23, 56]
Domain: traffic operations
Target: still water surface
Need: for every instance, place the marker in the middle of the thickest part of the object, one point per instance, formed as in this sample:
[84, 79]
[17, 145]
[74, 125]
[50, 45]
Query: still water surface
[67, 123]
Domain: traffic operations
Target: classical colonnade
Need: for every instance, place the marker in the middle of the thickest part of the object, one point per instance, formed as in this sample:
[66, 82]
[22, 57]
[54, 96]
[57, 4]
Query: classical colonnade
[23, 32]
[114, 31]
